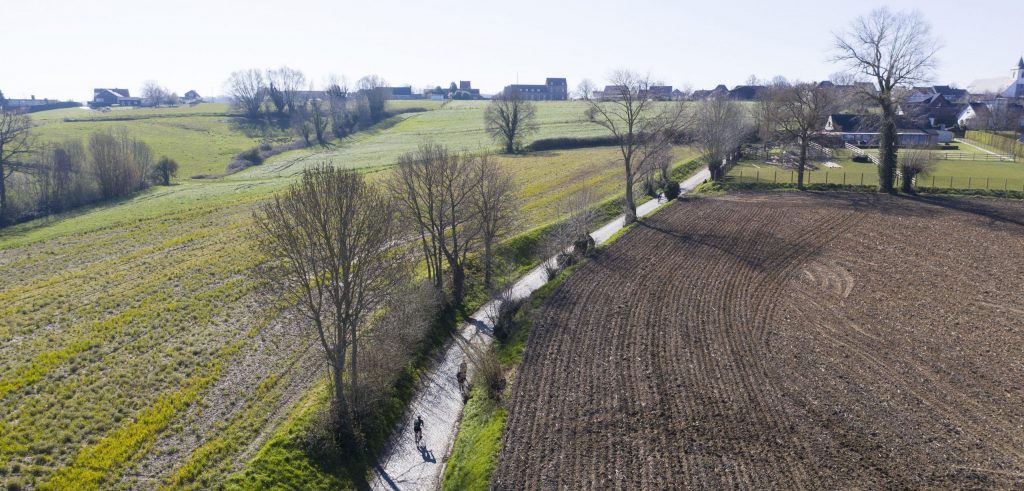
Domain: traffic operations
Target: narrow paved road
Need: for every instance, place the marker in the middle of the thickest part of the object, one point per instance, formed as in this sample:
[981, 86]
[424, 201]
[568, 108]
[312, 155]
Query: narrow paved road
[403, 465]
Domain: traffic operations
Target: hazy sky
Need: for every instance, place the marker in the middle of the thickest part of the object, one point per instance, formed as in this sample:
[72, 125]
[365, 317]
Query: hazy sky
[62, 49]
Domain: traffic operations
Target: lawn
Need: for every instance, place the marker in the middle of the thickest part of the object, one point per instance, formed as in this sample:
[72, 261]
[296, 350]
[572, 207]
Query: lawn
[136, 346]
[961, 174]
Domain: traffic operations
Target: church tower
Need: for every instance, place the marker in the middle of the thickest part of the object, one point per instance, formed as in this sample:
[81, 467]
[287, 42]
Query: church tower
[1018, 73]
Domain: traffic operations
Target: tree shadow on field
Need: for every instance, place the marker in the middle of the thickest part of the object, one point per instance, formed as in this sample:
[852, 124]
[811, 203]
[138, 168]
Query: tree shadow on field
[1013, 219]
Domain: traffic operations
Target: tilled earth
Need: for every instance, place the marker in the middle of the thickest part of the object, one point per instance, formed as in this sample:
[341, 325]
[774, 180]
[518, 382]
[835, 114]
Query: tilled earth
[782, 341]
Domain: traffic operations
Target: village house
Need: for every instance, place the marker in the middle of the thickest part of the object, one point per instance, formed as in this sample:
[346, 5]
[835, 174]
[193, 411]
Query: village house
[191, 97]
[554, 89]
[863, 131]
[113, 97]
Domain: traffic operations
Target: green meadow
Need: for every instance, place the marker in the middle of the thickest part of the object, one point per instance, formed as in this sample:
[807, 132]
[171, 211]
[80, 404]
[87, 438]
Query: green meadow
[137, 347]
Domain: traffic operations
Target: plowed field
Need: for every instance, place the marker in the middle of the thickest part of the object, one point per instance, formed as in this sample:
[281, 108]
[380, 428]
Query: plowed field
[782, 341]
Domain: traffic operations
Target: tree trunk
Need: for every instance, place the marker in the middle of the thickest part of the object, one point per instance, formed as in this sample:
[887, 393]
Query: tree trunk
[354, 368]
[510, 144]
[487, 264]
[458, 284]
[630, 208]
[887, 150]
[801, 165]
[908, 183]
[3, 198]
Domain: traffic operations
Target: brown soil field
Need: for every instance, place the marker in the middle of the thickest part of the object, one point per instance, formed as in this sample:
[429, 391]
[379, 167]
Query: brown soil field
[782, 340]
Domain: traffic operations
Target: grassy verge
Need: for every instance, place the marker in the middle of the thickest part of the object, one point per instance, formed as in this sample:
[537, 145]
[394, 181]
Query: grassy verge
[478, 443]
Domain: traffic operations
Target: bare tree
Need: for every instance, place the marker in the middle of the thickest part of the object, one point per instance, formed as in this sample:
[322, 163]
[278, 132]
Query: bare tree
[63, 179]
[436, 190]
[496, 206]
[121, 162]
[165, 169]
[893, 49]
[510, 118]
[16, 143]
[318, 119]
[342, 120]
[720, 129]
[331, 242]
[247, 90]
[642, 127]
[301, 121]
[585, 89]
[914, 163]
[373, 90]
[800, 113]
[155, 93]
[284, 86]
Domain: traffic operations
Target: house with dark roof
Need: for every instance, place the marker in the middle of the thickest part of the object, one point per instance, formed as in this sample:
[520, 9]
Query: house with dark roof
[659, 92]
[933, 112]
[191, 97]
[113, 97]
[554, 89]
[862, 130]
[720, 90]
[745, 92]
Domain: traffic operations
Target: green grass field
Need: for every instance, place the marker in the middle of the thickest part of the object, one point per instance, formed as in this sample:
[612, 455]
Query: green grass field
[202, 139]
[137, 349]
[960, 174]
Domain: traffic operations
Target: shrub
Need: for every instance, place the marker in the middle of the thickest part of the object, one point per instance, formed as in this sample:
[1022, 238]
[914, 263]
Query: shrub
[252, 156]
[672, 190]
[489, 374]
[566, 143]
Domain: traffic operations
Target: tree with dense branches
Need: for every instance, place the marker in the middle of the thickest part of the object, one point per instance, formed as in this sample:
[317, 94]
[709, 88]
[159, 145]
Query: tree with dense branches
[894, 50]
[643, 128]
[510, 118]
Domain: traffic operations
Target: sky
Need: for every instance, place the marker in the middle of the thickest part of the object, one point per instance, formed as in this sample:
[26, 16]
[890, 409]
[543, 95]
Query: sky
[63, 49]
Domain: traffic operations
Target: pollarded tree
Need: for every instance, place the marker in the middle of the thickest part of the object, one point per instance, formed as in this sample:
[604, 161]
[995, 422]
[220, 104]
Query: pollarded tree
[332, 241]
[510, 118]
[893, 49]
[642, 127]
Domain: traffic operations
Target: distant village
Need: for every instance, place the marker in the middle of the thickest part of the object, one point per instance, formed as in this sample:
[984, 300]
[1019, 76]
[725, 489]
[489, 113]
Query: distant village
[929, 115]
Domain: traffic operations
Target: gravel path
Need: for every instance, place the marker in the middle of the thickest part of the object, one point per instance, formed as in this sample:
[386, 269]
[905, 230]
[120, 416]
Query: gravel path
[403, 465]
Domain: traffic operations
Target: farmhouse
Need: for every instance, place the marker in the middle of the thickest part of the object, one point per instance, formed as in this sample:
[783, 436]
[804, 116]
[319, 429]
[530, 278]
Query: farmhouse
[863, 131]
[704, 94]
[554, 89]
[113, 97]
[745, 92]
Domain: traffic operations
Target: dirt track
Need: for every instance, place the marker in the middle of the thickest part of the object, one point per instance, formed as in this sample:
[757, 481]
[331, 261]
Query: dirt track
[783, 340]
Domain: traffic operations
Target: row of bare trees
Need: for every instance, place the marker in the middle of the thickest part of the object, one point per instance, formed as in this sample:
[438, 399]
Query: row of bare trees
[285, 96]
[341, 249]
[38, 179]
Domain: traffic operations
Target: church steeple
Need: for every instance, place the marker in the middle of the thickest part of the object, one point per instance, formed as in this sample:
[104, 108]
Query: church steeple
[1018, 73]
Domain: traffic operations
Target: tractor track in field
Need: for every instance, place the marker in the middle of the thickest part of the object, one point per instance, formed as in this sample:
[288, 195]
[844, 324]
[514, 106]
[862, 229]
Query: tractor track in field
[781, 340]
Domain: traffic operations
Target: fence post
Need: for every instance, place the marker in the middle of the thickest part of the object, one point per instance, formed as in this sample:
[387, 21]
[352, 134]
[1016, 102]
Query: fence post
[775, 178]
[757, 177]
[933, 181]
[861, 178]
[969, 179]
[987, 179]
[826, 177]
[741, 176]
[1005, 181]
[950, 182]
[844, 178]
[808, 177]
[791, 177]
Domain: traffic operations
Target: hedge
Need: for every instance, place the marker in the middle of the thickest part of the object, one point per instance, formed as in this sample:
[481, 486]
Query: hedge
[1002, 143]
